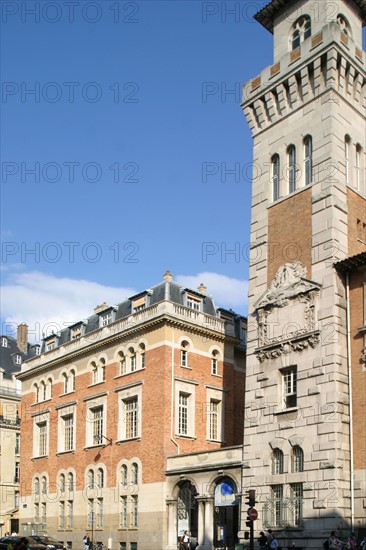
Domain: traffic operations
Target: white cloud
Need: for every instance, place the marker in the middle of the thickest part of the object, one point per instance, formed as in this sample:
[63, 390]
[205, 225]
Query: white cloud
[226, 291]
[41, 300]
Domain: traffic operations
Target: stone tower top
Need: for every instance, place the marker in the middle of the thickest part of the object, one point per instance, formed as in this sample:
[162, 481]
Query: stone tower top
[294, 21]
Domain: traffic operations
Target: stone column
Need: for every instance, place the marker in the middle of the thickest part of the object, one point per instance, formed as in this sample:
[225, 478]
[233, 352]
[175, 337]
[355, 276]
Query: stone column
[209, 518]
[201, 521]
[172, 523]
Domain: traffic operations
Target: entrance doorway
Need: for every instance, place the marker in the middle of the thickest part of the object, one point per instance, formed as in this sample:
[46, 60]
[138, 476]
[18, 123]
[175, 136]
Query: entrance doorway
[226, 514]
[187, 509]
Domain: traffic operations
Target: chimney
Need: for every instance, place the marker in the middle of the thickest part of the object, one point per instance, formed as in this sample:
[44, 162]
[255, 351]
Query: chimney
[22, 337]
[168, 277]
[101, 307]
[202, 288]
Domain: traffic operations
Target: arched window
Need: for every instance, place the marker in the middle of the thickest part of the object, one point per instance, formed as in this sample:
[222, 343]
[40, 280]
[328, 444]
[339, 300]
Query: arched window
[100, 478]
[133, 363]
[43, 391]
[291, 155]
[277, 461]
[91, 479]
[122, 363]
[36, 389]
[102, 369]
[62, 483]
[347, 145]
[297, 459]
[70, 481]
[94, 369]
[134, 473]
[49, 384]
[301, 30]
[308, 159]
[184, 354]
[142, 355]
[36, 486]
[215, 362]
[72, 380]
[275, 163]
[66, 383]
[44, 485]
[124, 480]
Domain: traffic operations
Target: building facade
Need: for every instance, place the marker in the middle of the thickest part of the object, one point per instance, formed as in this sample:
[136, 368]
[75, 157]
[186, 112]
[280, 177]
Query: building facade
[13, 351]
[132, 424]
[304, 434]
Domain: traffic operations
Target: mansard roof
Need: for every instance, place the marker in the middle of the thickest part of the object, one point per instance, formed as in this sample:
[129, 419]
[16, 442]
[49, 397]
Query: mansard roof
[166, 290]
[267, 14]
[8, 354]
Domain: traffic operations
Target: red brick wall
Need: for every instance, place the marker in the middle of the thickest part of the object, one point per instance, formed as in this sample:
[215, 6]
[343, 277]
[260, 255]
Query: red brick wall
[356, 223]
[290, 233]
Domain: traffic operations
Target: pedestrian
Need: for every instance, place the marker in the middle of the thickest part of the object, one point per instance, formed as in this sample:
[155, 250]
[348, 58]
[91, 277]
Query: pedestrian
[334, 543]
[352, 542]
[274, 543]
[86, 542]
[193, 543]
[262, 541]
[185, 540]
[269, 538]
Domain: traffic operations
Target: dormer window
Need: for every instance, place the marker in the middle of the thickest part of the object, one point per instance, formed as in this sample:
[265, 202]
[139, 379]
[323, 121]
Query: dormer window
[18, 359]
[37, 349]
[194, 302]
[50, 344]
[4, 342]
[76, 332]
[105, 319]
[301, 30]
[138, 304]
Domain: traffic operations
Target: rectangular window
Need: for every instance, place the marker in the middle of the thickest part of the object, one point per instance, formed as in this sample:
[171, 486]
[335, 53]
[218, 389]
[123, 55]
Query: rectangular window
[277, 506]
[214, 366]
[17, 444]
[131, 417]
[42, 431]
[16, 499]
[124, 511]
[289, 387]
[44, 512]
[214, 419]
[106, 319]
[50, 345]
[97, 419]
[91, 519]
[69, 432]
[62, 515]
[183, 358]
[194, 303]
[36, 512]
[297, 498]
[133, 362]
[133, 546]
[17, 472]
[183, 413]
[70, 514]
[100, 513]
[134, 510]
[122, 546]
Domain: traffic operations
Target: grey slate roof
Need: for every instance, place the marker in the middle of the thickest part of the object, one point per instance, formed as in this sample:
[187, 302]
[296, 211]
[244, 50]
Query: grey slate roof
[8, 353]
[166, 290]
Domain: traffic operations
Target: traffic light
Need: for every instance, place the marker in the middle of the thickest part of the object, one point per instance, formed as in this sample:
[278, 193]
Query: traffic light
[246, 535]
[250, 495]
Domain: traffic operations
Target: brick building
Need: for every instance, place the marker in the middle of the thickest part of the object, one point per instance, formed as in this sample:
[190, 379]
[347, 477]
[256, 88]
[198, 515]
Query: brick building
[304, 434]
[132, 424]
[13, 351]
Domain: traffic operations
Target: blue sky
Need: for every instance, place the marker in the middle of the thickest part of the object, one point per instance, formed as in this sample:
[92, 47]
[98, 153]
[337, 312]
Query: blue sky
[117, 166]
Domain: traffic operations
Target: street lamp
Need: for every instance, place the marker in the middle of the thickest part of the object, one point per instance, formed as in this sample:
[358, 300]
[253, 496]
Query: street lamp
[97, 438]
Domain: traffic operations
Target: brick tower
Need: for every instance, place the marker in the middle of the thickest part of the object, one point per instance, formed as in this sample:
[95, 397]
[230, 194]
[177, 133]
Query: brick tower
[307, 116]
